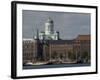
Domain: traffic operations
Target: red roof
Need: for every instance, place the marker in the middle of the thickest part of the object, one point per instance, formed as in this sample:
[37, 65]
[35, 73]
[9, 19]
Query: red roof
[83, 37]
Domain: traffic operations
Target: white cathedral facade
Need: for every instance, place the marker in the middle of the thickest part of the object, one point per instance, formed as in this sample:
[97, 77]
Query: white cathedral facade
[48, 33]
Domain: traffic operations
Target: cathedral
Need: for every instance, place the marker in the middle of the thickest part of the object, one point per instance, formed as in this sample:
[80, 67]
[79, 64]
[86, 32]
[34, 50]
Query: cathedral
[48, 33]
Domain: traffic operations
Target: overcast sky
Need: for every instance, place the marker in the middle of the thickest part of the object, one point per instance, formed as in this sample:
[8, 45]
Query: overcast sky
[70, 25]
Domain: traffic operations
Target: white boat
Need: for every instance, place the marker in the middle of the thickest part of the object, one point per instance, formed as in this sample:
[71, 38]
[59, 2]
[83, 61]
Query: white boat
[29, 63]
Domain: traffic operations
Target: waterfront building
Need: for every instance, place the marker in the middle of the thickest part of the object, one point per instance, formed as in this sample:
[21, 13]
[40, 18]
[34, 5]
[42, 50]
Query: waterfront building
[29, 50]
[82, 47]
[66, 50]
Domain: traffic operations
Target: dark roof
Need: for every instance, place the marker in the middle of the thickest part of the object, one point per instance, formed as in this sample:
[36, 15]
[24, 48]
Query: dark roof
[60, 41]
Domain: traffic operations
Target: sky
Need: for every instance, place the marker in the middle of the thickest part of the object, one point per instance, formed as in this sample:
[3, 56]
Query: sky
[69, 24]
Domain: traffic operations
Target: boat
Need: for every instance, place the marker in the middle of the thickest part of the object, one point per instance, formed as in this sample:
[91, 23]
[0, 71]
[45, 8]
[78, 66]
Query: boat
[54, 62]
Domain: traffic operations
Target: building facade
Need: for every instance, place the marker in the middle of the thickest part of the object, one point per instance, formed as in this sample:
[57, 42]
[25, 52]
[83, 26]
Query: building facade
[29, 50]
[65, 50]
[82, 47]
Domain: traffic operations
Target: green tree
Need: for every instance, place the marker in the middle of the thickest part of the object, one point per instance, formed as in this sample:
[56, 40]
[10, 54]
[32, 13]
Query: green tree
[85, 56]
[71, 55]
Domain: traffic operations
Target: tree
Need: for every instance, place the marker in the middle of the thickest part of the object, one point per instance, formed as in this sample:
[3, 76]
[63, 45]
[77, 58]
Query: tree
[54, 55]
[71, 55]
[85, 56]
